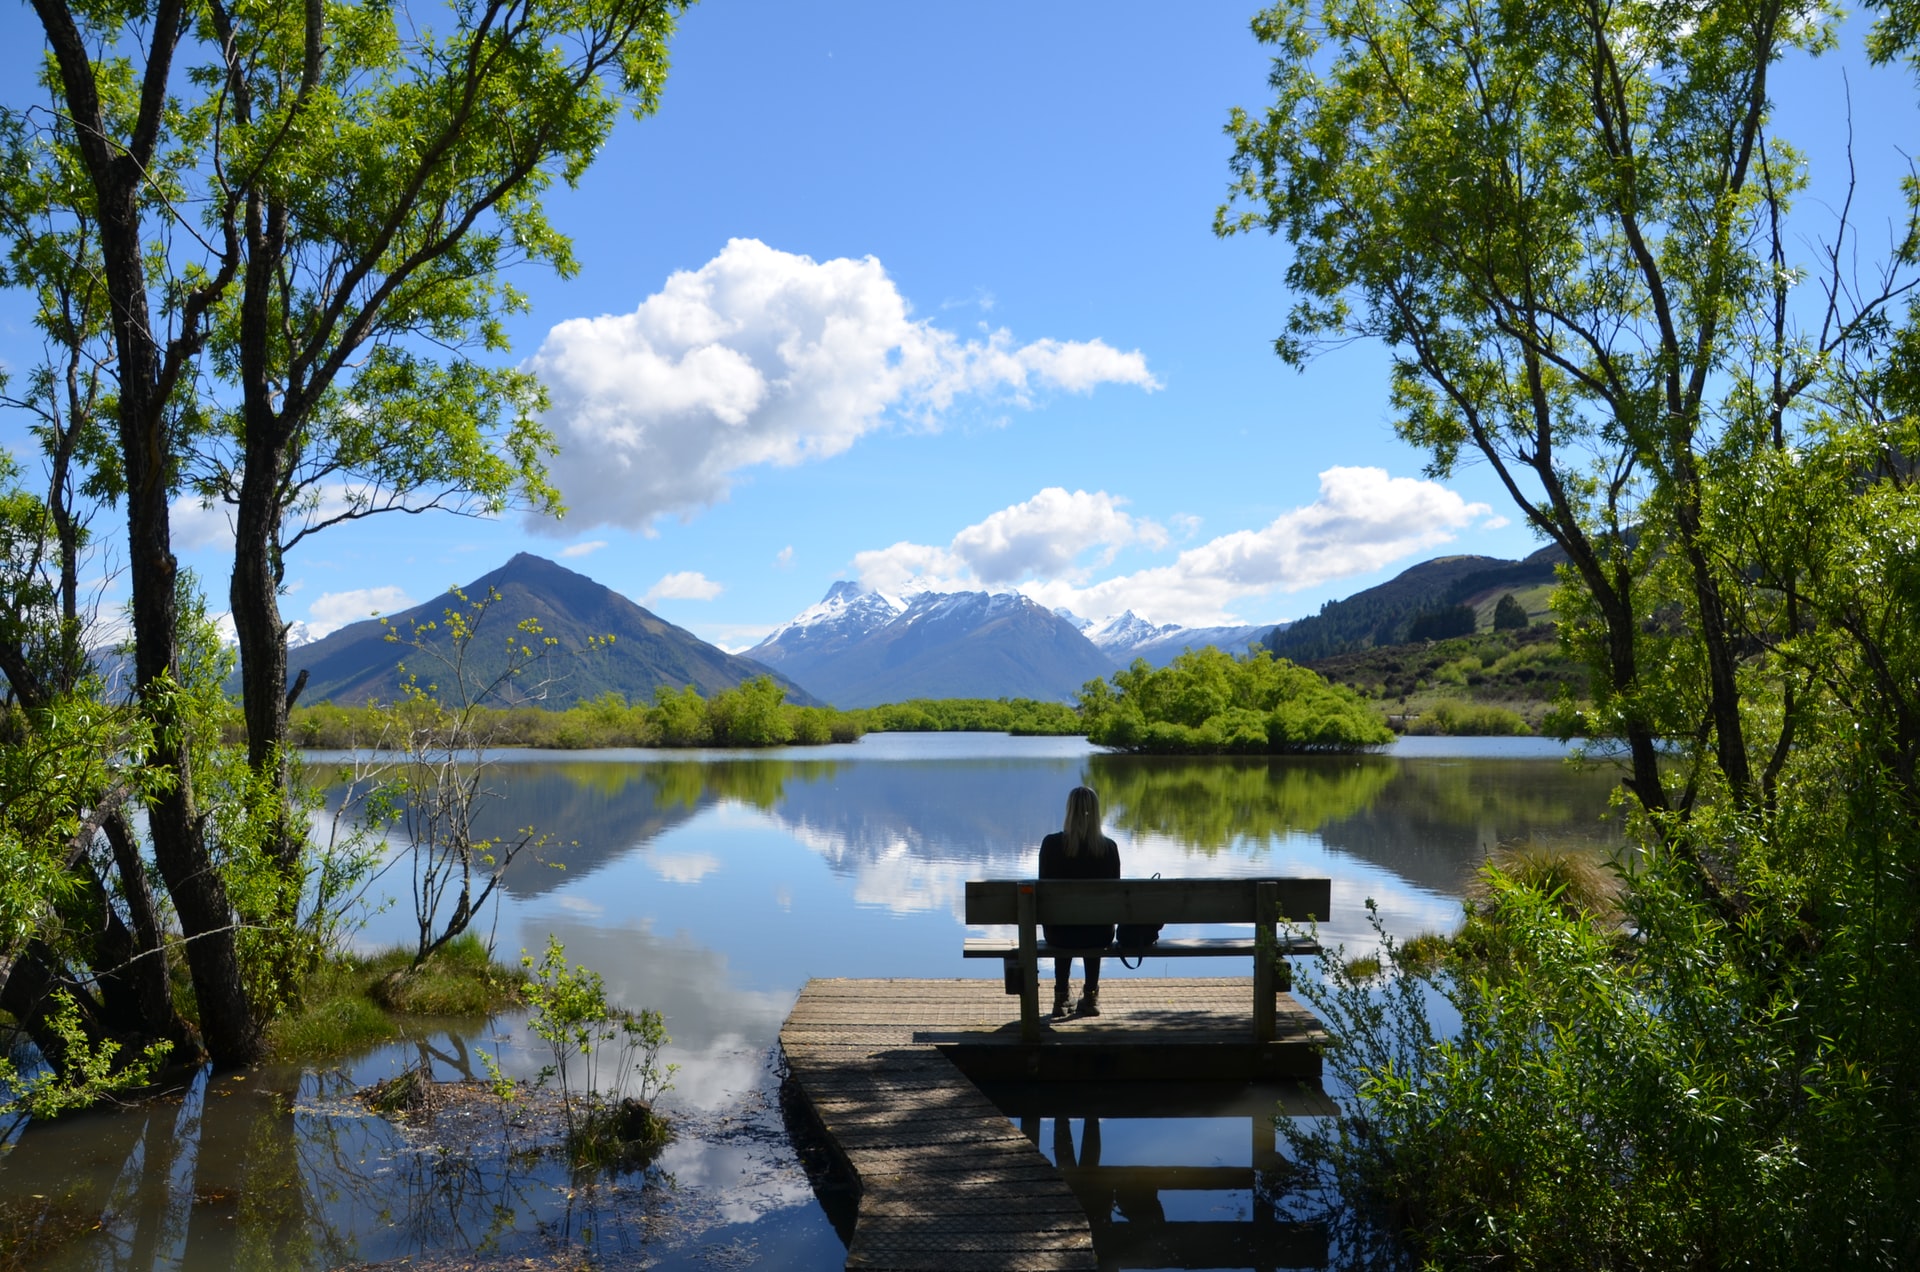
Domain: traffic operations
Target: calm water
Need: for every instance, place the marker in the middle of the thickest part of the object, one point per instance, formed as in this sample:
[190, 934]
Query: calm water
[712, 885]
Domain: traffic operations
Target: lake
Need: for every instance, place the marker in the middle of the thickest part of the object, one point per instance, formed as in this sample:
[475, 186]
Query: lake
[711, 885]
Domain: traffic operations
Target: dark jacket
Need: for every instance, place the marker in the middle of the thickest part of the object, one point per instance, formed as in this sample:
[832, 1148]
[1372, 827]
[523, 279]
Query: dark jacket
[1055, 864]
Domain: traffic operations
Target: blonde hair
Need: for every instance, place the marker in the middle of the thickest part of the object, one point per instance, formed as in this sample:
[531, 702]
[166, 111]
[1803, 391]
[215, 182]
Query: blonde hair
[1082, 828]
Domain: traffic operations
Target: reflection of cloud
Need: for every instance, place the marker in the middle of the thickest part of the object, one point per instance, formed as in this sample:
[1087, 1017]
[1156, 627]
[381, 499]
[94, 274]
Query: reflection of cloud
[581, 905]
[897, 870]
[722, 1034]
[683, 867]
[748, 1180]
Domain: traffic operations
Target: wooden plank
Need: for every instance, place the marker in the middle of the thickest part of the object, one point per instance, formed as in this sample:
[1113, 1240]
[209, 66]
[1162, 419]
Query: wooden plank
[946, 1180]
[1143, 900]
[1165, 947]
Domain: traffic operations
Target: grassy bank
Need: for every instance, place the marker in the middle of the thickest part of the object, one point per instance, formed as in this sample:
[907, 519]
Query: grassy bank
[353, 1001]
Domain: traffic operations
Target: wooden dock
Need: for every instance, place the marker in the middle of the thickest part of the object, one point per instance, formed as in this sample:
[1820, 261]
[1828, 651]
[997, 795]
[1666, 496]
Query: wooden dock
[946, 1181]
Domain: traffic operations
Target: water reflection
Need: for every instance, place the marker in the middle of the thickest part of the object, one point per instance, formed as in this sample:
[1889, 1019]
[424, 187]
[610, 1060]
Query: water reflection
[711, 888]
[908, 832]
[1175, 1175]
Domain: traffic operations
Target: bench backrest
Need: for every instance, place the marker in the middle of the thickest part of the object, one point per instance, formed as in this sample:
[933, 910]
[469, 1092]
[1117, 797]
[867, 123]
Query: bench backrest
[1144, 900]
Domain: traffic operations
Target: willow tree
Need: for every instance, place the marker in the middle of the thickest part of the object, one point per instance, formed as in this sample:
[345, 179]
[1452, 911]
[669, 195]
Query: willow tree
[1568, 223]
[300, 215]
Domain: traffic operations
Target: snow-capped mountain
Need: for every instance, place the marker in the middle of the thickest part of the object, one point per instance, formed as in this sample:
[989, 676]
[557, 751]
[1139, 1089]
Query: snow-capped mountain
[1123, 632]
[847, 613]
[1126, 636]
[859, 648]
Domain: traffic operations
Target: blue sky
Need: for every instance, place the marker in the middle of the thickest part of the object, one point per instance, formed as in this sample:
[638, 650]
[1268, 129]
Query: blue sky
[928, 295]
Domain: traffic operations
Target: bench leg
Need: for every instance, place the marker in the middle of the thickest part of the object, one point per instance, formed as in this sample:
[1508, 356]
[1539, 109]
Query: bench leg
[1266, 913]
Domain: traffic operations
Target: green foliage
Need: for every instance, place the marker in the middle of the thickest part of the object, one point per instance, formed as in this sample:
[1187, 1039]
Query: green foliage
[1018, 716]
[1207, 702]
[750, 715]
[351, 1001]
[1509, 615]
[1209, 805]
[329, 1025]
[302, 217]
[88, 1070]
[1571, 223]
[607, 1060]
[1525, 672]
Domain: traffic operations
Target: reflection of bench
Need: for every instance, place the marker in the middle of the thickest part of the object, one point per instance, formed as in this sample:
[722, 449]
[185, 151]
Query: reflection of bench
[1028, 903]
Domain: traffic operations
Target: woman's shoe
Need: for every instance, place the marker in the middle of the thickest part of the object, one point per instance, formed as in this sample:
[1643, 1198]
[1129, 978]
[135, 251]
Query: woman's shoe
[1062, 991]
[1090, 1001]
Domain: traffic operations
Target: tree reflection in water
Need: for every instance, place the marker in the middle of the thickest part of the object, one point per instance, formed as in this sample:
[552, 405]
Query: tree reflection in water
[275, 1169]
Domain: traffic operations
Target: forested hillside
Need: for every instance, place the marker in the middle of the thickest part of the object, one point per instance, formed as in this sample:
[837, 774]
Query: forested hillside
[1382, 615]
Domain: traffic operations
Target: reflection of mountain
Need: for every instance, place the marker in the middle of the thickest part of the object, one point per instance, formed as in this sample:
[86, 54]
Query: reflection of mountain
[596, 812]
[967, 809]
[910, 832]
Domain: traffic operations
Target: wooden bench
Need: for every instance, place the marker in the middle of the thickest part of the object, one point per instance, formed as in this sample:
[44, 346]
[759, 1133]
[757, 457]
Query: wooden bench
[1029, 903]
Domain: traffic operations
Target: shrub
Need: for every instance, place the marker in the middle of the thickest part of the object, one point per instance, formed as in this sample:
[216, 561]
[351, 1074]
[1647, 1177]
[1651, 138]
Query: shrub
[1207, 702]
[1451, 717]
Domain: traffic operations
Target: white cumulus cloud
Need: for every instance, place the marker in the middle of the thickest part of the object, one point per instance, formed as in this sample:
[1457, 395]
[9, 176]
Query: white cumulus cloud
[766, 357]
[193, 526]
[1045, 537]
[331, 611]
[583, 549]
[1362, 520]
[687, 585]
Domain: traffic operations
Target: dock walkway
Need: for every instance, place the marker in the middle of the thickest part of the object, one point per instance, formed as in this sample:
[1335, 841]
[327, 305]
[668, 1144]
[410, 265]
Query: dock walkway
[946, 1180]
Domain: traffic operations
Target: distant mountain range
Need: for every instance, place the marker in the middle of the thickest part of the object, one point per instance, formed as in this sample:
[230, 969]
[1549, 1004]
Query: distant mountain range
[1126, 636]
[858, 648]
[357, 663]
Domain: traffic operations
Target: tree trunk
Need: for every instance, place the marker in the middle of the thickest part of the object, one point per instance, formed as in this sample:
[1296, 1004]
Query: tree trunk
[147, 374]
[253, 595]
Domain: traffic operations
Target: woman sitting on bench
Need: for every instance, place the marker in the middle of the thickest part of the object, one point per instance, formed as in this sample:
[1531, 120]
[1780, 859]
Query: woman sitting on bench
[1079, 851]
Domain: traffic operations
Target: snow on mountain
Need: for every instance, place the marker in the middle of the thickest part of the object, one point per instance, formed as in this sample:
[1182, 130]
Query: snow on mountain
[858, 648]
[1126, 636]
[1120, 633]
[845, 614]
